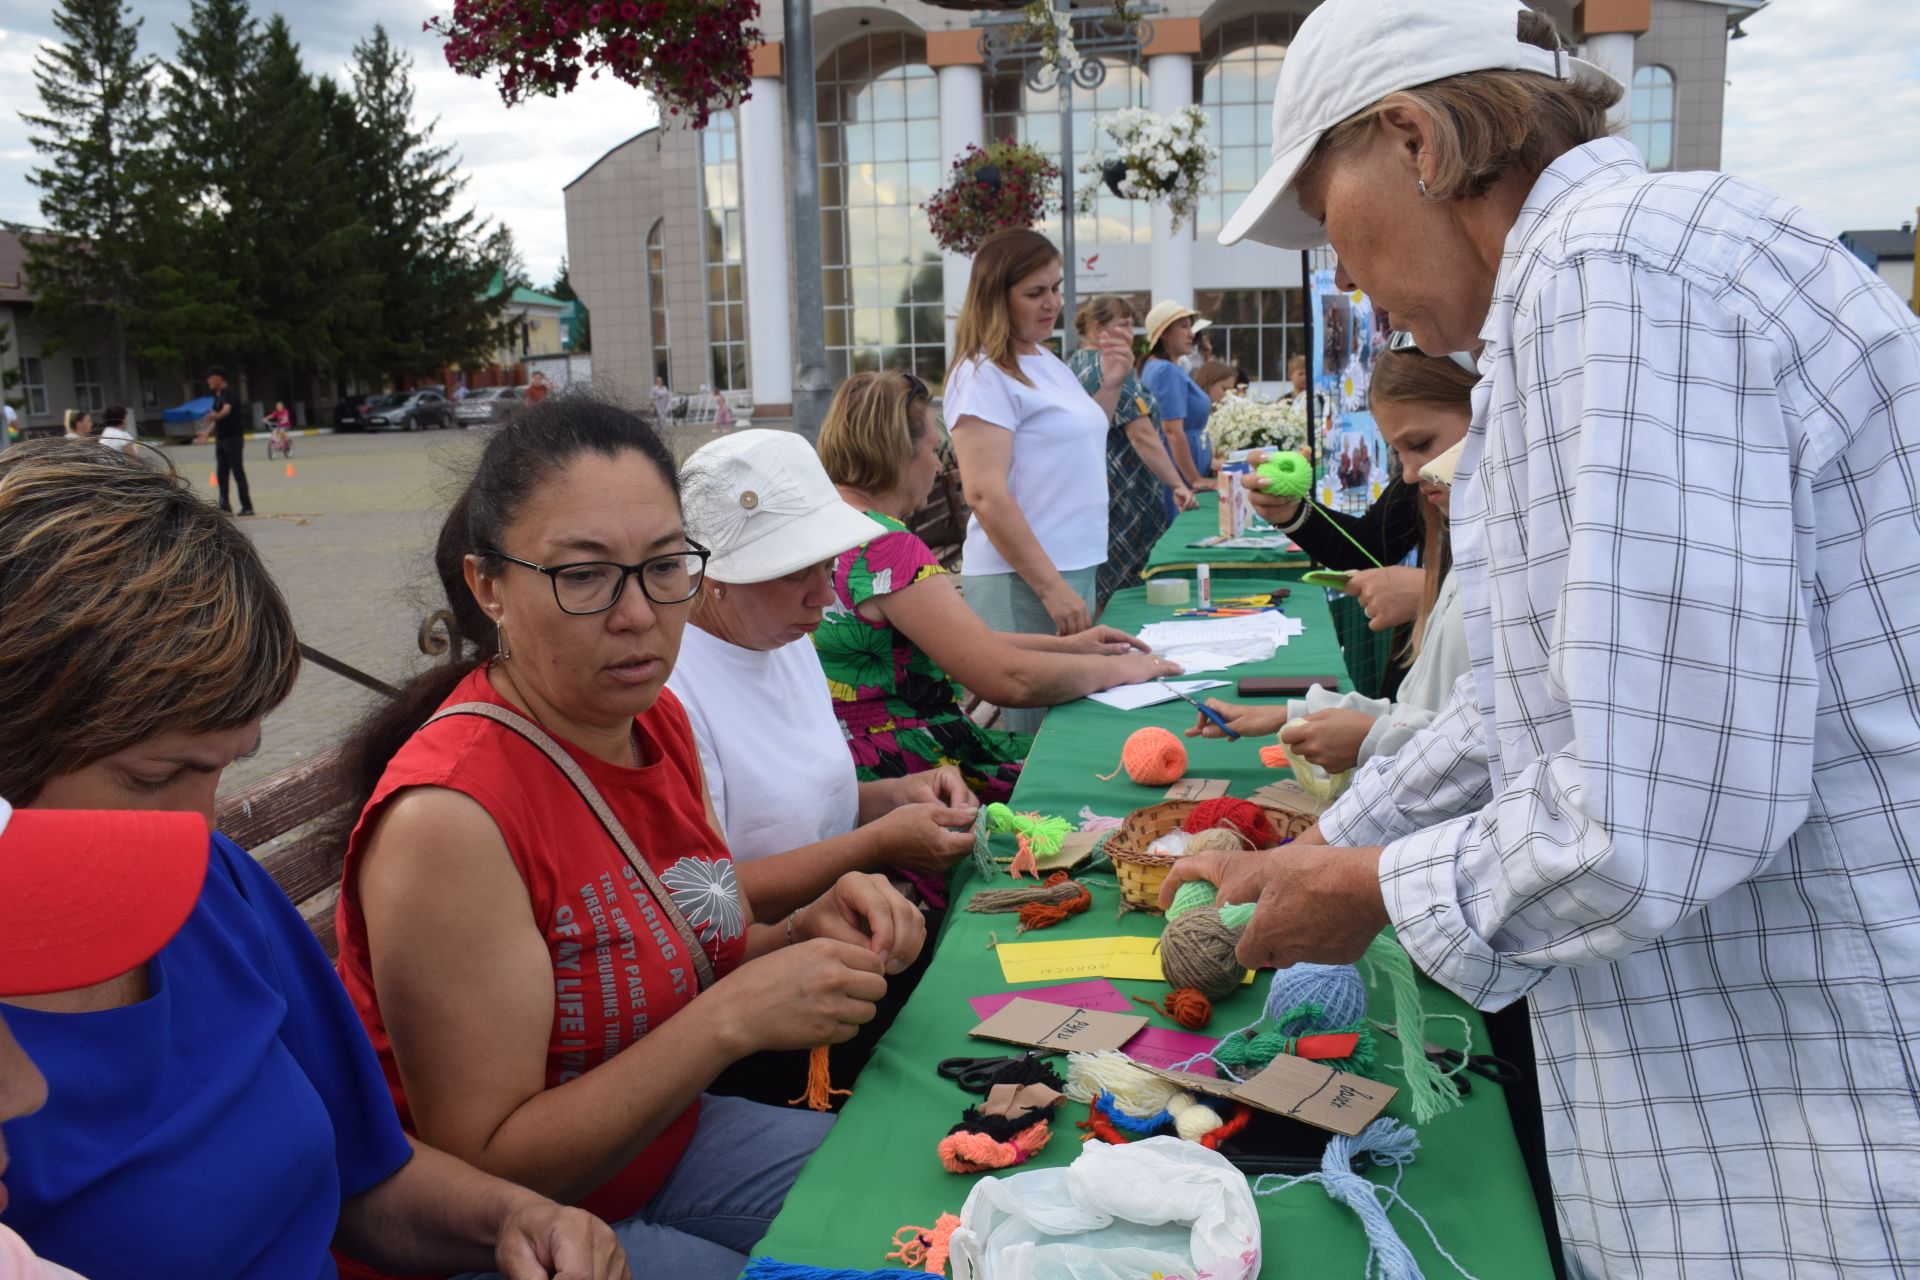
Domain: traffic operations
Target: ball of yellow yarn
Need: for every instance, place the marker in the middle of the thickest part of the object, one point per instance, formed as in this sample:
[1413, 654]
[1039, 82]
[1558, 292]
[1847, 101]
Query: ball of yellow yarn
[1153, 757]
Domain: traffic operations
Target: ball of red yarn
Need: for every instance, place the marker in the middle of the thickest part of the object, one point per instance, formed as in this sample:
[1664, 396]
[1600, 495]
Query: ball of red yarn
[1242, 816]
[1153, 757]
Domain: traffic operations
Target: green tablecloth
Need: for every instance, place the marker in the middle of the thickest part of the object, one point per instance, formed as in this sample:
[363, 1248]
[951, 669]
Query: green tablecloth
[1174, 554]
[877, 1169]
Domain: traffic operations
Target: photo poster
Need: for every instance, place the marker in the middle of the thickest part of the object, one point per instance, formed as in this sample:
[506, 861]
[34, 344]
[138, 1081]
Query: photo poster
[1352, 456]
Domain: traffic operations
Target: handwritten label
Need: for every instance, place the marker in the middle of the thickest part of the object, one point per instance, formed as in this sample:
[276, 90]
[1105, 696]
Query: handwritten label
[1197, 789]
[1288, 795]
[1059, 1028]
[1327, 1099]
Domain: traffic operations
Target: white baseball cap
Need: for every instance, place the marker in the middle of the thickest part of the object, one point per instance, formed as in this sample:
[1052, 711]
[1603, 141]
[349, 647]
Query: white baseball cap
[762, 504]
[1348, 55]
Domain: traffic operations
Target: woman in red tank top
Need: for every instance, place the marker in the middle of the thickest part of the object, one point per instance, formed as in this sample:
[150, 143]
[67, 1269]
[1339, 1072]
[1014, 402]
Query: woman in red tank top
[544, 1004]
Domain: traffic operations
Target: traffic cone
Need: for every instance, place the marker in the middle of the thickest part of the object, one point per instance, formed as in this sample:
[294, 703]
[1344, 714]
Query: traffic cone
[289, 471]
[213, 481]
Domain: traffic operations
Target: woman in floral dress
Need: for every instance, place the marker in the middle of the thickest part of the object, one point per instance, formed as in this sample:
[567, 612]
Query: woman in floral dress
[1140, 471]
[898, 626]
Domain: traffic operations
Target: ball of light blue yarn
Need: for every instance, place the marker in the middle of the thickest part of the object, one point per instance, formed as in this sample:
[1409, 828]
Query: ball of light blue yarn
[1336, 988]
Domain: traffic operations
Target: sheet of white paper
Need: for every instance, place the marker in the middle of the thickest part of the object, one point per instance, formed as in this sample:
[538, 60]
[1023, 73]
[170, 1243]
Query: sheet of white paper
[1132, 697]
[1201, 659]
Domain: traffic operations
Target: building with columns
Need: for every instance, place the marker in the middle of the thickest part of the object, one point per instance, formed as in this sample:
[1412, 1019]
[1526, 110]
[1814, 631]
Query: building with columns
[678, 240]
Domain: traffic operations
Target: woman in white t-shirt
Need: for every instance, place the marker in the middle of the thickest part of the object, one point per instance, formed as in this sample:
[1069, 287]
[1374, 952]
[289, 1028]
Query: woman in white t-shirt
[776, 761]
[1031, 444]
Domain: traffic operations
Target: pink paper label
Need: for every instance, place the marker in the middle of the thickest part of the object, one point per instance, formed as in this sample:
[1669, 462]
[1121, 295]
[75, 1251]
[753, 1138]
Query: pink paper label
[1094, 993]
[1165, 1048]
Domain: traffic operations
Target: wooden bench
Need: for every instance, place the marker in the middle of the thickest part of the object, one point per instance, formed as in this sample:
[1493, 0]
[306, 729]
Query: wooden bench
[284, 820]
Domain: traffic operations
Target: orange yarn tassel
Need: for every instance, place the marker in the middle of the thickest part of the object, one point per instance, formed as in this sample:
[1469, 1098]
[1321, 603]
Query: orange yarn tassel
[1039, 915]
[977, 1153]
[1275, 758]
[926, 1248]
[1023, 862]
[820, 1091]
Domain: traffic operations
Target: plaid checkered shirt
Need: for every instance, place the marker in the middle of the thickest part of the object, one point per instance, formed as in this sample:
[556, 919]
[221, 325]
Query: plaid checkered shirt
[1677, 796]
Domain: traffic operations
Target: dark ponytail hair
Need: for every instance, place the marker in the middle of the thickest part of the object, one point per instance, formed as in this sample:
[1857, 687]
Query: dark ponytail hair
[537, 443]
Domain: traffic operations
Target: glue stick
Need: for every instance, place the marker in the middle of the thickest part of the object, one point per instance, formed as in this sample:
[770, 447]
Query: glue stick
[1203, 585]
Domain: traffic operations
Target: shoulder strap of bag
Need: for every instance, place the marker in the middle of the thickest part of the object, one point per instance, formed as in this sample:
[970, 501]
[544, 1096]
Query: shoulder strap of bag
[702, 965]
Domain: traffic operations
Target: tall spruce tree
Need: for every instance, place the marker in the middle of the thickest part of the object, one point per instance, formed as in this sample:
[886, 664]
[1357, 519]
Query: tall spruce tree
[95, 135]
[435, 306]
[208, 112]
[310, 282]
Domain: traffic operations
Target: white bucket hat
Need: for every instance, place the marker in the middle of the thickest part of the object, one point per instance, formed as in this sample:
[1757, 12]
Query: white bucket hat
[762, 503]
[1348, 55]
[1164, 316]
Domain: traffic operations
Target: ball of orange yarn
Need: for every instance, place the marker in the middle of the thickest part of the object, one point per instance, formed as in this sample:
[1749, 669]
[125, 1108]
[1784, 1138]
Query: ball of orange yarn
[1189, 1007]
[1242, 816]
[1153, 757]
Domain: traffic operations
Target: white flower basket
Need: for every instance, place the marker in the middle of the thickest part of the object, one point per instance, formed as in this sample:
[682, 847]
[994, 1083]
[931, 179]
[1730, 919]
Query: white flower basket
[1165, 159]
[1241, 422]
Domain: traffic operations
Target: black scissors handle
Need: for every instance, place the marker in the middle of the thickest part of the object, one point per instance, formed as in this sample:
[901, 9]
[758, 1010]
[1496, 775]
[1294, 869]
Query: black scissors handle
[976, 1075]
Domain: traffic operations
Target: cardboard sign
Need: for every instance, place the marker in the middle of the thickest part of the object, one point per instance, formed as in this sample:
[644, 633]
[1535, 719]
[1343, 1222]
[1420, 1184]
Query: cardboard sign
[1289, 795]
[1197, 789]
[1058, 1028]
[1075, 849]
[1335, 1100]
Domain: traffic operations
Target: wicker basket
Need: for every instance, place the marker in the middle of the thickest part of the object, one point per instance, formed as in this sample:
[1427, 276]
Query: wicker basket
[1141, 873]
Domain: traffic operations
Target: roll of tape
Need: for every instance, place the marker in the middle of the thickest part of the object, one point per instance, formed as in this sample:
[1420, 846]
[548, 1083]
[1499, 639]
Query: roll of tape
[1168, 590]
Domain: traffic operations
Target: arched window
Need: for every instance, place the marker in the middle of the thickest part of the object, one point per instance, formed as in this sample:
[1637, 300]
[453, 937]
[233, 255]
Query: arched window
[879, 106]
[725, 246]
[1237, 70]
[657, 299]
[1652, 124]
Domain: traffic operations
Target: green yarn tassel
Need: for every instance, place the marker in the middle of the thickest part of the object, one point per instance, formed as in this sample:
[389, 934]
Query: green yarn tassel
[982, 839]
[1247, 1054]
[1430, 1091]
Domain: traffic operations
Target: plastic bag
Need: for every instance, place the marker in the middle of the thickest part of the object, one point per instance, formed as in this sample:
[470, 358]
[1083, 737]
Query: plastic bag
[1157, 1206]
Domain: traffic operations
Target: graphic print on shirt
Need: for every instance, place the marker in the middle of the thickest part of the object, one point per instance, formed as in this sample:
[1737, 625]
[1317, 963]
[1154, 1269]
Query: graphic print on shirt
[599, 982]
[705, 892]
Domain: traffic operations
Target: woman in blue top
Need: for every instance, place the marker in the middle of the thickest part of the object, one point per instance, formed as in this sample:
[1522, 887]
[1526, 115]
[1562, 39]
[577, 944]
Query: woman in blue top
[1183, 405]
[217, 1111]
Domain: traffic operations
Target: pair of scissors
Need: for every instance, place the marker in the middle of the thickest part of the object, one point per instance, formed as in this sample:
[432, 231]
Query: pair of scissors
[1203, 709]
[977, 1075]
[1485, 1065]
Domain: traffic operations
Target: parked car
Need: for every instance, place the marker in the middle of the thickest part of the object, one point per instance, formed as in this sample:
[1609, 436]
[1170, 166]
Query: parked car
[350, 412]
[410, 411]
[486, 406]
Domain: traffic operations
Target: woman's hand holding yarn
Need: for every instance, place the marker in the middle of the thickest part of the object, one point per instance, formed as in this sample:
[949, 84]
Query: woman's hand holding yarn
[864, 910]
[817, 992]
[925, 837]
[943, 786]
[1391, 596]
[1273, 509]
[1116, 360]
[1330, 738]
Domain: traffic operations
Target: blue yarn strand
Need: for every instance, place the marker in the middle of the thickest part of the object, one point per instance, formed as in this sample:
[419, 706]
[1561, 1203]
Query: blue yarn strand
[1385, 1143]
[773, 1269]
[1127, 1123]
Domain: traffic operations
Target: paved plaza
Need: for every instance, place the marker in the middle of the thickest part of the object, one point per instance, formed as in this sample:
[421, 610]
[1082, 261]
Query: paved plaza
[349, 536]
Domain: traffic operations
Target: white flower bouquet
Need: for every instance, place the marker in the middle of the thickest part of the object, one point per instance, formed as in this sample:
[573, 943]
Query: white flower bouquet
[1241, 422]
[1167, 159]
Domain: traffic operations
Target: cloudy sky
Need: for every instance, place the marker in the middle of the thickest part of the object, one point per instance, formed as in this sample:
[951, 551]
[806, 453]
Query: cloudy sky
[1823, 105]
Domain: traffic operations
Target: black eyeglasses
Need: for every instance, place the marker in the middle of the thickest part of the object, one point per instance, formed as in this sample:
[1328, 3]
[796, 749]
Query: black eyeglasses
[594, 586]
[916, 389]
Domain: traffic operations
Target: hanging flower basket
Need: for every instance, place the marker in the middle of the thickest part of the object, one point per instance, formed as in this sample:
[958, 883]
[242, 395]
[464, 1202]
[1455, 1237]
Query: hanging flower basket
[1008, 184]
[693, 56]
[1167, 160]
